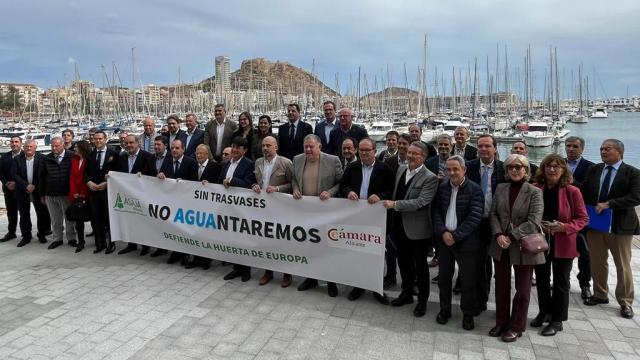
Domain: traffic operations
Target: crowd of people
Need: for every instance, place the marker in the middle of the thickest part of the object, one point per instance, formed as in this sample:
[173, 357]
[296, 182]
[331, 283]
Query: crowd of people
[457, 203]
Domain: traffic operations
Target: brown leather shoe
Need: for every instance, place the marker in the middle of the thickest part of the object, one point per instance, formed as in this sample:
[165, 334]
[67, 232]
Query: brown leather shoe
[511, 336]
[266, 278]
[286, 281]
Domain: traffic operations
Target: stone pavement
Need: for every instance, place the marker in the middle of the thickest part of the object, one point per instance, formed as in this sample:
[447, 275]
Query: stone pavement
[55, 304]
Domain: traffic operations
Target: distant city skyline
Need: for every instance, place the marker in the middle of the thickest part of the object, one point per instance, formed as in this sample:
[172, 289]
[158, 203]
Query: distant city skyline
[41, 43]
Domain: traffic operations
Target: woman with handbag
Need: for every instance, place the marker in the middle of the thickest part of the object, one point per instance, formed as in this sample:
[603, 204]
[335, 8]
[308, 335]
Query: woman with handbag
[516, 212]
[78, 190]
[564, 216]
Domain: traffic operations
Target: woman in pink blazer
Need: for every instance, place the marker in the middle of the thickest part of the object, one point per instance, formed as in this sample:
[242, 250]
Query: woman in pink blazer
[564, 216]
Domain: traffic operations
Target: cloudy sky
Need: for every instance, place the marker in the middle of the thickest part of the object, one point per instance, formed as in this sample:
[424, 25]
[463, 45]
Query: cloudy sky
[40, 41]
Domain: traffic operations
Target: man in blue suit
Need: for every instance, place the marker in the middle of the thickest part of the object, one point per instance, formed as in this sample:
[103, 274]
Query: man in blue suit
[192, 137]
[574, 146]
[238, 172]
[323, 128]
[291, 135]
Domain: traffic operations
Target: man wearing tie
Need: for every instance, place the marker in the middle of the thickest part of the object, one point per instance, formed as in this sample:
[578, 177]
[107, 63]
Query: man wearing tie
[193, 136]
[101, 160]
[54, 188]
[574, 146]
[291, 136]
[25, 172]
[218, 132]
[133, 161]
[272, 173]
[239, 173]
[367, 180]
[148, 136]
[486, 171]
[613, 185]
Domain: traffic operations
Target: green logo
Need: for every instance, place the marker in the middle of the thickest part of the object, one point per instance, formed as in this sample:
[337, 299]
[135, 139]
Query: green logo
[127, 204]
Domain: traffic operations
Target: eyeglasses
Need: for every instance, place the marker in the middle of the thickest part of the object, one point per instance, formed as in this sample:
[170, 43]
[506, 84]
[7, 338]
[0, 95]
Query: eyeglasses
[515, 167]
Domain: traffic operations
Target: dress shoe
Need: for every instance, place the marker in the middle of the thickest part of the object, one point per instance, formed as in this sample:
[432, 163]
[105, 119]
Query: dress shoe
[42, 239]
[389, 281]
[496, 331]
[332, 289]
[268, 275]
[174, 257]
[206, 265]
[382, 299]
[585, 292]
[99, 249]
[595, 301]
[420, 309]
[246, 276]
[552, 328]
[434, 262]
[626, 312]
[402, 299]
[54, 244]
[23, 242]
[511, 336]
[128, 249]
[307, 284]
[540, 319]
[90, 234]
[435, 279]
[468, 323]
[8, 236]
[190, 264]
[79, 247]
[73, 243]
[145, 250]
[443, 317]
[355, 293]
[286, 281]
[110, 248]
[158, 252]
[232, 275]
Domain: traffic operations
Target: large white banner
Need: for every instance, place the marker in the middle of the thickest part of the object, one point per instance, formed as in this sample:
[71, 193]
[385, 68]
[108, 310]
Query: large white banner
[337, 240]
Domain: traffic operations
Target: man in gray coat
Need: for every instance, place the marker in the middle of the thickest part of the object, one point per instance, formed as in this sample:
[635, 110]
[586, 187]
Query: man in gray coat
[415, 189]
[316, 174]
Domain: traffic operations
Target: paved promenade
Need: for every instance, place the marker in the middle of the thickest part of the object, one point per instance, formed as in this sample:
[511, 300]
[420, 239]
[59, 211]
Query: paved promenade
[55, 304]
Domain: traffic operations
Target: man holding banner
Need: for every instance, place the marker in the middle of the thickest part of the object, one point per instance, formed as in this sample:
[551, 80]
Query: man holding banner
[316, 174]
[272, 173]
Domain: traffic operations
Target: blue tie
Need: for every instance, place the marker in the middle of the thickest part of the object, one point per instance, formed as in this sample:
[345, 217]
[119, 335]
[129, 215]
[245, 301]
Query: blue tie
[484, 182]
[604, 190]
[292, 131]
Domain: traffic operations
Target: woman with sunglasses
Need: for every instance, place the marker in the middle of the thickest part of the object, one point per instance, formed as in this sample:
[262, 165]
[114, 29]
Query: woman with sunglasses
[516, 211]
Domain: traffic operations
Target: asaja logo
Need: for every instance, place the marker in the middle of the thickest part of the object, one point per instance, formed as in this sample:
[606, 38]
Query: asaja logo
[127, 204]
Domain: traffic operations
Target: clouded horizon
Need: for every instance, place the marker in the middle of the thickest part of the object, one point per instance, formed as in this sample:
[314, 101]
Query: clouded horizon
[40, 41]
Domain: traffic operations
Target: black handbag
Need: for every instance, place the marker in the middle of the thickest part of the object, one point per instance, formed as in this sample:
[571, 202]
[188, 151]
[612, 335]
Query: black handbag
[79, 211]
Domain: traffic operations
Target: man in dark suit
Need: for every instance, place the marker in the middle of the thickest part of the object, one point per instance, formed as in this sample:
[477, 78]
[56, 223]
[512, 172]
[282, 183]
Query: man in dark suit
[101, 160]
[291, 135]
[415, 188]
[238, 173]
[462, 147]
[346, 130]
[574, 146]
[368, 180]
[323, 128]
[486, 171]
[193, 136]
[455, 230]
[174, 132]
[25, 172]
[208, 172]
[391, 140]
[520, 148]
[160, 160]
[438, 164]
[9, 186]
[416, 134]
[133, 161]
[218, 132]
[613, 185]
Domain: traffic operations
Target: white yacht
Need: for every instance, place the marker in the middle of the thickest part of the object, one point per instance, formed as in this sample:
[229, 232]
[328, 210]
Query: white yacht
[599, 113]
[379, 129]
[538, 134]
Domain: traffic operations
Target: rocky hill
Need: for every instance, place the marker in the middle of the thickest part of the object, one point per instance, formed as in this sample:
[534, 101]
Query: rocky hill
[276, 76]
